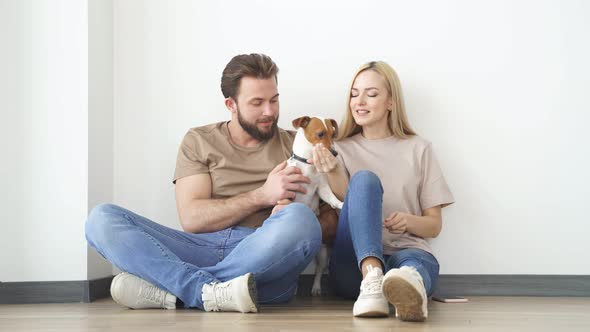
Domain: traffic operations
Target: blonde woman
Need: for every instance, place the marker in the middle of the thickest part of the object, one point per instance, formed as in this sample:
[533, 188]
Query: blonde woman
[392, 204]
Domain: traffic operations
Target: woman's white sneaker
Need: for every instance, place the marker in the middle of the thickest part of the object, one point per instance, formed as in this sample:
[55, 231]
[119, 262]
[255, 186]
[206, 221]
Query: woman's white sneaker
[135, 293]
[404, 288]
[371, 302]
[238, 294]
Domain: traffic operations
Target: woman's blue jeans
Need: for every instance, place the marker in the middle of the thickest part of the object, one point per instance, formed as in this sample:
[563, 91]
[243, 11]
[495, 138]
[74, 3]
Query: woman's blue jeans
[359, 233]
[181, 263]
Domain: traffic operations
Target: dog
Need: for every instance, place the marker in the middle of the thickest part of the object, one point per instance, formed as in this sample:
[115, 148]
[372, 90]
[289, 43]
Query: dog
[311, 131]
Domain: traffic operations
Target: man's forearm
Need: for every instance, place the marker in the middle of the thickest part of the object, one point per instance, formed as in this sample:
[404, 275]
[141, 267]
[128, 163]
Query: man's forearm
[210, 215]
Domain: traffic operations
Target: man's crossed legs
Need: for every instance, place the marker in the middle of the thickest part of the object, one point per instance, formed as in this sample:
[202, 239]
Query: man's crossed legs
[210, 271]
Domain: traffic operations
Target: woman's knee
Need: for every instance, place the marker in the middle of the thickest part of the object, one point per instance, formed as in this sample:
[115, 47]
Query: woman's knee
[365, 178]
[365, 183]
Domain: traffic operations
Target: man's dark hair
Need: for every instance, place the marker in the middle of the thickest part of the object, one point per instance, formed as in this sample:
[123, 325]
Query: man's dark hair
[255, 65]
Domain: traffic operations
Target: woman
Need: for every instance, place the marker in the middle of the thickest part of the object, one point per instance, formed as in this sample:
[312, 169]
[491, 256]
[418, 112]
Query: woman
[384, 227]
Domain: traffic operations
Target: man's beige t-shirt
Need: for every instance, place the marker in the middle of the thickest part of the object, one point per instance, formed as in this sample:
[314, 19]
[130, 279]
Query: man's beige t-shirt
[233, 169]
[411, 177]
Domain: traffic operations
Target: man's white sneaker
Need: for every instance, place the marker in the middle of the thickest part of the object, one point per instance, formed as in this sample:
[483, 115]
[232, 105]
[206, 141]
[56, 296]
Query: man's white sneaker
[135, 293]
[404, 288]
[238, 294]
[371, 302]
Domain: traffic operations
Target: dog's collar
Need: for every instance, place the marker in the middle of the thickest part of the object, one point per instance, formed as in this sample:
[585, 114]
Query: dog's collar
[298, 158]
[303, 160]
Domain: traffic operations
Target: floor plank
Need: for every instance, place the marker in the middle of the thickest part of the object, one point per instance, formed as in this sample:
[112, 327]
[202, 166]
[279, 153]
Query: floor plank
[305, 314]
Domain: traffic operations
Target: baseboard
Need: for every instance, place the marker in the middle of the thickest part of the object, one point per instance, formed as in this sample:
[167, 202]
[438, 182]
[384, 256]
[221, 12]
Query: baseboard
[54, 291]
[515, 285]
[98, 289]
[490, 285]
[465, 285]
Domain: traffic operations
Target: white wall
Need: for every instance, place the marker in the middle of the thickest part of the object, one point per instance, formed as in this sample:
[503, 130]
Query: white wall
[43, 133]
[496, 85]
[100, 117]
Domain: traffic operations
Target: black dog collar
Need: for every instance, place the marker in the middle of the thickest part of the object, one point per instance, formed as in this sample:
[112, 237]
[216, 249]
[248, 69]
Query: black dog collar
[301, 159]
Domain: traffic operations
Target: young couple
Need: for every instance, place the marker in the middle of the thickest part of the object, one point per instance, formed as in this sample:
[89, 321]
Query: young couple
[240, 249]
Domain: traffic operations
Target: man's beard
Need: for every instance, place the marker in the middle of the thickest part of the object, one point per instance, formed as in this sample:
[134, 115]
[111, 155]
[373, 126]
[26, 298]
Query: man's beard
[256, 133]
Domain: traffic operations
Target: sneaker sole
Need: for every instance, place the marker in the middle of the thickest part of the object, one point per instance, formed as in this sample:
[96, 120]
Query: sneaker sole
[405, 298]
[253, 292]
[372, 314]
[371, 309]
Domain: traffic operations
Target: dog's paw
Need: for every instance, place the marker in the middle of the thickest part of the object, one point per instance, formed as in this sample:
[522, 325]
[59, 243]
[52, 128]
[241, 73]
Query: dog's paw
[339, 205]
[316, 290]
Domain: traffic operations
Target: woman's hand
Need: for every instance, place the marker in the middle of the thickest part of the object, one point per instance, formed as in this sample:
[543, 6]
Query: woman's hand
[397, 222]
[428, 225]
[323, 160]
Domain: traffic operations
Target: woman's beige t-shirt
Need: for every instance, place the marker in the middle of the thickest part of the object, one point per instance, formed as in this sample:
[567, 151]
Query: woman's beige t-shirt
[410, 174]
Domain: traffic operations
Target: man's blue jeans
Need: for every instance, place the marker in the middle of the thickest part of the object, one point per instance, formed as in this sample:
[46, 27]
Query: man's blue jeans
[181, 263]
[359, 233]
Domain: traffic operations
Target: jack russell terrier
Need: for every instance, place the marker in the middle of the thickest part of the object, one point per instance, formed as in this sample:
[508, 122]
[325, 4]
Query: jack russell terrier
[311, 131]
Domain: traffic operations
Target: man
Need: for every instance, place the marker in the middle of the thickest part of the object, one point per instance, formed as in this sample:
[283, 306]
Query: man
[233, 253]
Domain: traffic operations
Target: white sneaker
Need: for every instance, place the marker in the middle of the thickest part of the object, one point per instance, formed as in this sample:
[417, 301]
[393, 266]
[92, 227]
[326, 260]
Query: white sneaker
[404, 288]
[371, 302]
[135, 293]
[238, 294]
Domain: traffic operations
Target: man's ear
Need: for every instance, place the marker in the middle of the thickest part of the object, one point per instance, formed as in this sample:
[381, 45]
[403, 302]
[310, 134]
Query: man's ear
[301, 122]
[334, 126]
[230, 104]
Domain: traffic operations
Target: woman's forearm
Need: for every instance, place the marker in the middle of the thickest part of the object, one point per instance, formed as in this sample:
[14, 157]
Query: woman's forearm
[338, 181]
[425, 226]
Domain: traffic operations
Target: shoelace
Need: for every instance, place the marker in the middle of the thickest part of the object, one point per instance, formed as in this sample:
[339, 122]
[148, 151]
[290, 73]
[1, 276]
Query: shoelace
[151, 294]
[372, 283]
[372, 286]
[222, 294]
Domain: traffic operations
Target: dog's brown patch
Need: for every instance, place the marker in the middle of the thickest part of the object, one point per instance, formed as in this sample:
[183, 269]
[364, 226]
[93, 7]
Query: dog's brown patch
[329, 224]
[316, 131]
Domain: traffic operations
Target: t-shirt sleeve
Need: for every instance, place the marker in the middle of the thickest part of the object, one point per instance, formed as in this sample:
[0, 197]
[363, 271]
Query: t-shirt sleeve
[434, 190]
[190, 159]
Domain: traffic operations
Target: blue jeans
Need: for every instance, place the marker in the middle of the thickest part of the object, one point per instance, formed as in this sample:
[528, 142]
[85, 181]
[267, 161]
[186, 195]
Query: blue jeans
[181, 263]
[359, 233]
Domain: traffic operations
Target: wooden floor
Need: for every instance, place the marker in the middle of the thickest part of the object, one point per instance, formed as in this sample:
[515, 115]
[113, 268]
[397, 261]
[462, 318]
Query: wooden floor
[305, 314]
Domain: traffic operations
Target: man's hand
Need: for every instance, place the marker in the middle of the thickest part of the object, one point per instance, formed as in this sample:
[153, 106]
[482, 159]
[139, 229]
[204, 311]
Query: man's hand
[282, 183]
[397, 222]
[323, 160]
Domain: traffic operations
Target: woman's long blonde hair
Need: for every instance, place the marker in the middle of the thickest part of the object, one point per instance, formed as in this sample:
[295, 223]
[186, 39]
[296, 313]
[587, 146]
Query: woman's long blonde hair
[396, 119]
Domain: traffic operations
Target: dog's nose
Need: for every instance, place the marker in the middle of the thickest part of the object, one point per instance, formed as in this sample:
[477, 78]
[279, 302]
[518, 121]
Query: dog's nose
[334, 152]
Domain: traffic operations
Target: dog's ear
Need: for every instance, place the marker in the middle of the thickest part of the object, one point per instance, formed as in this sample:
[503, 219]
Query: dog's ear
[301, 122]
[334, 127]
